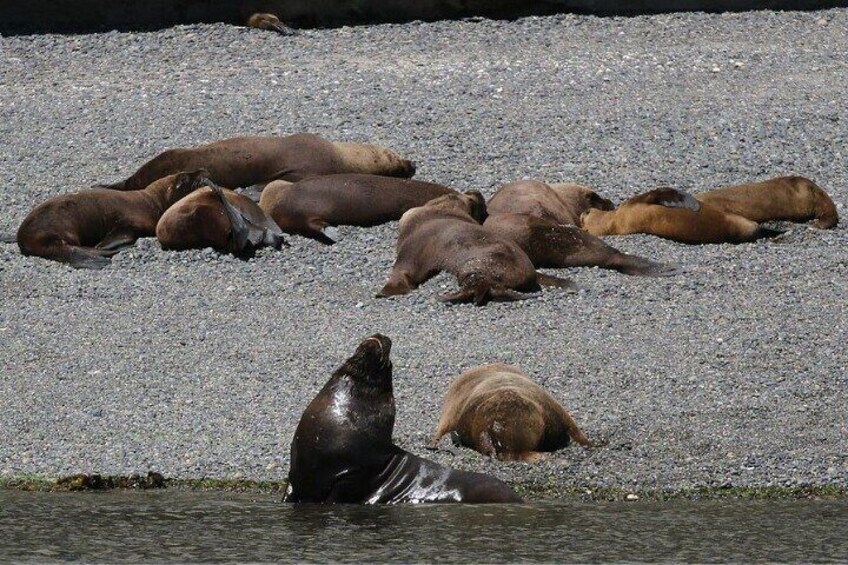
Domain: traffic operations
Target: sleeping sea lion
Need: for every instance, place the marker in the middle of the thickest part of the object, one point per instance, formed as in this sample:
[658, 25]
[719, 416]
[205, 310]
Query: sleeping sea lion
[86, 228]
[269, 22]
[795, 199]
[675, 215]
[559, 203]
[246, 161]
[342, 451]
[445, 235]
[218, 218]
[500, 412]
[553, 245]
[307, 207]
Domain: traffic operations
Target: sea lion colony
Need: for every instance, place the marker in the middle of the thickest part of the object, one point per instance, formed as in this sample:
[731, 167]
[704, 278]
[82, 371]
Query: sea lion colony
[342, 450]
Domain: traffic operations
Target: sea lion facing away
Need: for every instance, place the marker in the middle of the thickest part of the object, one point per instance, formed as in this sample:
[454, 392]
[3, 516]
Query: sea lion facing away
[218, 218]
[553, 245]
[86, 228]
[675, 215]
[246, 161]
[500, 412]
[445, 235]
[269, 22]
[559, 203]
[796, 199]
[342, 451]
[307, 207]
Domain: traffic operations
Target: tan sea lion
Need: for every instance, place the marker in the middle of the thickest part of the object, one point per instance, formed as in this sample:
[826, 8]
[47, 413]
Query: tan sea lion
[269, 22]
[307, 207]
[674, 215]
[795, 199]
[246, 161]
[342, 451]
[218, 218]
[500, 412]
[86, 228]
[559, 203]
[553, 245]
[445, 235]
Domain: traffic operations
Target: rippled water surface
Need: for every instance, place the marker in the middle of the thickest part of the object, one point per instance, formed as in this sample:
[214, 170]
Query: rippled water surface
[188, 526]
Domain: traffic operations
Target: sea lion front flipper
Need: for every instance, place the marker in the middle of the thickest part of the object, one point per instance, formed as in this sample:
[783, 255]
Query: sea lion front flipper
[254, 191]
[282, 28]
[550, 280]
[8, 238]
[245, 235]
[635, 265]
[765, 233]
[668, 197]
[80, 258]
[116, 240]
[316, 227]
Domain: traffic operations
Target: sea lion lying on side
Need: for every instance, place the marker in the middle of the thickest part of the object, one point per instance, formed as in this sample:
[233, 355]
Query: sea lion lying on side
[500, 412]
[560, 203]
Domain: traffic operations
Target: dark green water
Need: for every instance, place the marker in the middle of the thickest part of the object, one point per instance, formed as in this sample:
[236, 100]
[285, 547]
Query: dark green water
[172, 526]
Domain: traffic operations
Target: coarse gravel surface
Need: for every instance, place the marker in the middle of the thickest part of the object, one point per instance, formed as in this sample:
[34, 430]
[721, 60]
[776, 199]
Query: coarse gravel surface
[197, 364]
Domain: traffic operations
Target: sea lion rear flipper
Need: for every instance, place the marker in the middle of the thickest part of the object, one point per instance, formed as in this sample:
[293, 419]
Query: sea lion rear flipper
[8, 238]
[245, 236]
[282, 28]
[550, 280]
[668, 197]
[639, 266]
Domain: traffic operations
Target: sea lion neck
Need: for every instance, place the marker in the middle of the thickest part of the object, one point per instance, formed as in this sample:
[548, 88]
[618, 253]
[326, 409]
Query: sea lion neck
[366, 379]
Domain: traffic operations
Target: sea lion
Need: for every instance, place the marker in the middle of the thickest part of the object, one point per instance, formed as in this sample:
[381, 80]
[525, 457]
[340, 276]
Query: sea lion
[500, 412]
[86, 228]
[559, 203]
[553, 245]
[445, 235]
[269, 22]
[675, 215]
[307, 207]
[342, 451]
[218, 218]
[246, 161]
[796, 199]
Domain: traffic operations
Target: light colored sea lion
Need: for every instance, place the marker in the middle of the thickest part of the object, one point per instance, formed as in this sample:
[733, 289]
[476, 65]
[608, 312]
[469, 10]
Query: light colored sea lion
[553, 245]
[246, 161]
[218, 218]
[500, 412]
[269, 22]
[86, 228]
[796, 199]
[674, 215]
[307, 207]
[445, 235]
[559, 203]
[342, 451]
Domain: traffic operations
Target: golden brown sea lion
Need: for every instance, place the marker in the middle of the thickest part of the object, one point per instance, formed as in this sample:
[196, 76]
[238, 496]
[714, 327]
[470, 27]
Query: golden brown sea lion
[553, 245]
[500, 412]
[445, 235]
[559, 203]
[795, 199]
[86, 228]
[674, 215]
[246, 161]
[269, 22]
[342, 451]
[307, 207]
[218, 218]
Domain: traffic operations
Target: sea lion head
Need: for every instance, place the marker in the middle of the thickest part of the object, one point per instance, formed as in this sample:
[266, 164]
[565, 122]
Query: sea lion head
[371, 364]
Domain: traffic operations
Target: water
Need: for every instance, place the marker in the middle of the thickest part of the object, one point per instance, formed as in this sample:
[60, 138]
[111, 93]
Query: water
[187, 526]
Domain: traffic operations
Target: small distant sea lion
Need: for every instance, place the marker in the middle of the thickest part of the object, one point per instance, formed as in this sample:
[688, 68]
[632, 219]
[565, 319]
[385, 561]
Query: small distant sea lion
[342, 451]
[246, 161]
[796, 199]
[553, 245]
[307, 207]
[269, 22]
[560, 203]
[86, 228]
[500, 412]
[218, 218]
[445, 235]
[675, 215]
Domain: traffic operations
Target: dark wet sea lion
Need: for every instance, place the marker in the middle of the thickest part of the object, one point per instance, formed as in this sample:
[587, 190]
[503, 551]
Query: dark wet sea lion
[500, 412]
[86, 228]
[269, 22]
[675, 215]
[445, 235]
[246, 161]
[796, 199]
[560, 203]
[218, 218]
[342, 451]
[307, 207]
[553, 245]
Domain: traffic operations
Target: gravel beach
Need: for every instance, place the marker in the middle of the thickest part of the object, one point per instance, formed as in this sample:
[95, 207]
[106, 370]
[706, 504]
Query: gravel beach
[195, 364]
